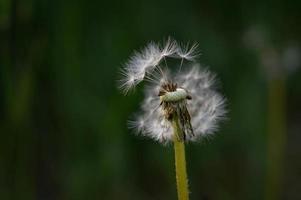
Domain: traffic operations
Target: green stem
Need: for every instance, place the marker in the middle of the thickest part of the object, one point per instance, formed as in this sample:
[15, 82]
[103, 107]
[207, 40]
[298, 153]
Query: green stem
[276, 140]
[180, 162]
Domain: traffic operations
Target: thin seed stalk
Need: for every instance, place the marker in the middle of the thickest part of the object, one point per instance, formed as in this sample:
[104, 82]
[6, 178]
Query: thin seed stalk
[180, 162]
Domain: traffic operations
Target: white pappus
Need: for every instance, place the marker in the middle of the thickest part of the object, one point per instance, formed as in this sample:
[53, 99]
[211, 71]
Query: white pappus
[188, 92]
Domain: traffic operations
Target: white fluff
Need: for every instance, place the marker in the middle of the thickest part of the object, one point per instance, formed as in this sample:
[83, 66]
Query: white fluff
[206, 107]
[142, 64]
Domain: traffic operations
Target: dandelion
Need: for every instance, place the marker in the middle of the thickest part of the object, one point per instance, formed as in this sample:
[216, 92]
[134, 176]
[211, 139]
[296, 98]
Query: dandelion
[180, 105]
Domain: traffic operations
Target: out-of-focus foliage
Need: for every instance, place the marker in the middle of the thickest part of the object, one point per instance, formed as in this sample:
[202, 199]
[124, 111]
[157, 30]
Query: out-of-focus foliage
[63, 132]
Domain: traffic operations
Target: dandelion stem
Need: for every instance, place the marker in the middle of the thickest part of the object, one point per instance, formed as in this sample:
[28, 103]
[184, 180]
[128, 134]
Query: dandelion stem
[276, 138]
[180, 162]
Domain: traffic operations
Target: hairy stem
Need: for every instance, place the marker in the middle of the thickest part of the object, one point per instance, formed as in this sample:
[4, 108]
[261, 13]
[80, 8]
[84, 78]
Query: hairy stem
[180, 162]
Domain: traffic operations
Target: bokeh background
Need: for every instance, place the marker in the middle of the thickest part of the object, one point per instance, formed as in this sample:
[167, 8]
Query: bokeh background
[63, 122]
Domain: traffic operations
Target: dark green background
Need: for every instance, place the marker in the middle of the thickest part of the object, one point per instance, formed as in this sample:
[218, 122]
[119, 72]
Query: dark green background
[63, 132]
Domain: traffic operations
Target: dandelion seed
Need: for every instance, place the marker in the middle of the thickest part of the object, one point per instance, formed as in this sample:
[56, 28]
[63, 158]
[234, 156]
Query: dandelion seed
[188, 52]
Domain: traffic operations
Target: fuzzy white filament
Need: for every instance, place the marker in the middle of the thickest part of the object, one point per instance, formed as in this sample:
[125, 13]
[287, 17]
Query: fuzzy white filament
[190, 90]
[142, 64]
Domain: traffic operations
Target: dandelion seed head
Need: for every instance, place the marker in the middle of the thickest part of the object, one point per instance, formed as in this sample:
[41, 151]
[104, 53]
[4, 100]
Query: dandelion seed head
[189, 93]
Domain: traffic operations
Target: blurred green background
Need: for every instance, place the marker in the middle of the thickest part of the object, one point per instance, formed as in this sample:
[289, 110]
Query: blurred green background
[63, 123]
